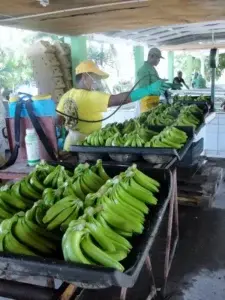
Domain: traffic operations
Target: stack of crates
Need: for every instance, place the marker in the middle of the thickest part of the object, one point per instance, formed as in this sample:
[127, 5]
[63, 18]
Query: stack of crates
[51, 68]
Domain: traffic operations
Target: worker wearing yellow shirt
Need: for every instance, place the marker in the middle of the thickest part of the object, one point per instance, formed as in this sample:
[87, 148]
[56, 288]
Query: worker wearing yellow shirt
[87, 103]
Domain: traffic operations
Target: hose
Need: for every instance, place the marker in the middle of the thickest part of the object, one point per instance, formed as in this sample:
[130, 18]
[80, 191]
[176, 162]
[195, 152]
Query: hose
[106, 118]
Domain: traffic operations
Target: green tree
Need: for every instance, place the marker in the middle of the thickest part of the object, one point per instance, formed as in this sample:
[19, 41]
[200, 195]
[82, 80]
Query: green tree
[122, 86]
[15, 69]
[103, 55]
[181, 63]
[220, 67]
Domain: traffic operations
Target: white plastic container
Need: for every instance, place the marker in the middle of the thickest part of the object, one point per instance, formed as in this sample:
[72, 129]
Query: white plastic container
[32, 147]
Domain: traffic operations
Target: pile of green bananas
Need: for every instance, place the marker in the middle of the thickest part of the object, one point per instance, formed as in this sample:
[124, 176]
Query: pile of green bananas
[189, 116]
[90, 214]
[187, 98]
[117, 212]
[172, 113]
[137, 132]
[170, 137]
[50, 197]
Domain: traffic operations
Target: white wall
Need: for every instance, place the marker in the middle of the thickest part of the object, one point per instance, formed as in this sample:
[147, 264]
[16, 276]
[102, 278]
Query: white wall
[215, 136]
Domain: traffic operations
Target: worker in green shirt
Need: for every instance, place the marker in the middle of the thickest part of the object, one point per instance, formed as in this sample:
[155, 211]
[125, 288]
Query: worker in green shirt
[147, 74]
[200, 82]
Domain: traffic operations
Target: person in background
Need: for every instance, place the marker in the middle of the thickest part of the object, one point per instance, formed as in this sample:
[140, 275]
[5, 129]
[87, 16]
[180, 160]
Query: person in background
[200, 82]
[4, 146]
[194, 80]
[148, 74]
[86, 102]
[179, 81]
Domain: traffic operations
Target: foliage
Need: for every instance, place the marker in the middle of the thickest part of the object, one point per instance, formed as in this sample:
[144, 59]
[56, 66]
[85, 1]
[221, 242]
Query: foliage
[101, 55]
[220, 67]
[122, 86]
[105, 55]
[15, 69]
[181, 64]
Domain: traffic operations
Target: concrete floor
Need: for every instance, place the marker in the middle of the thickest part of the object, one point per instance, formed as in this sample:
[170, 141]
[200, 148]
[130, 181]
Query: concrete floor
[198, 270]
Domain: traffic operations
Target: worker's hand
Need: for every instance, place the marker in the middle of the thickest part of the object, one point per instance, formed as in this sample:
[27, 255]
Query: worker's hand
[159, 87]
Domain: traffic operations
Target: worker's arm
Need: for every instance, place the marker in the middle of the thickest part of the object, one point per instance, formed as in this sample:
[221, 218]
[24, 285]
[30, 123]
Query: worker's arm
[184, 83]
[186, 86]
[156, 89]
[116, 100]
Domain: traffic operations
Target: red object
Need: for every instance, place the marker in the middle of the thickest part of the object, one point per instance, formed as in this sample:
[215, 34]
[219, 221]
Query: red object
[48, 125]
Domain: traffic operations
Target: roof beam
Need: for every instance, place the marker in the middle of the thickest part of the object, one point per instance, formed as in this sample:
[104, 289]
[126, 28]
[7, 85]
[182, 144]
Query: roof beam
[193, 46]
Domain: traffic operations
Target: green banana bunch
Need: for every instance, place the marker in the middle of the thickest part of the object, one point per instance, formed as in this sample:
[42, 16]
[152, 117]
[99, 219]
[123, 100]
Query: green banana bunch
[88, 179]
[117, 140]
[146, 134]
[133, 140]
[185, 120]
[62, 213]
[100, 235]
[170, 137]
[115, 217]
[43, 169]
[11, 200]
[143, 117]
[20, 236]
[37, 243]
[145, 181]
[193, 109]
[8, 240]
[94, 242]
[31, 221]
[57, 177]
[98, 138]
[36, 183]
[91, 199]
[100, 171]
[130, 126]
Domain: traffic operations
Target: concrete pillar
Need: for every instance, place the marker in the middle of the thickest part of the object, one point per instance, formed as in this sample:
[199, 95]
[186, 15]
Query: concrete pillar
[138, 58]
[170, 66]
[78, 51]
[189, 69]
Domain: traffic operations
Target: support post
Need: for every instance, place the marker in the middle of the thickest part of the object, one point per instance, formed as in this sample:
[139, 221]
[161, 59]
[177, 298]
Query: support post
[189, 69]
[170, 66]
[138, 58]
[203, 66]
[78, 51]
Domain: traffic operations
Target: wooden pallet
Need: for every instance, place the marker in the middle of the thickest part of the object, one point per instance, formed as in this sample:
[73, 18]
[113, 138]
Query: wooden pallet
[200, 189]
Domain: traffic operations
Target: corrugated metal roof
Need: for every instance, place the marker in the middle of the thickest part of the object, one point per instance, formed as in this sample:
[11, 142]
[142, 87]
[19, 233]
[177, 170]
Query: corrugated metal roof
[163, 36]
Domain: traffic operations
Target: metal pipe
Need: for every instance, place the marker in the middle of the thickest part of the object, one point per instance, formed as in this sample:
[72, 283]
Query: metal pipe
[213, 78]
[24, 291]
[105, 5]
